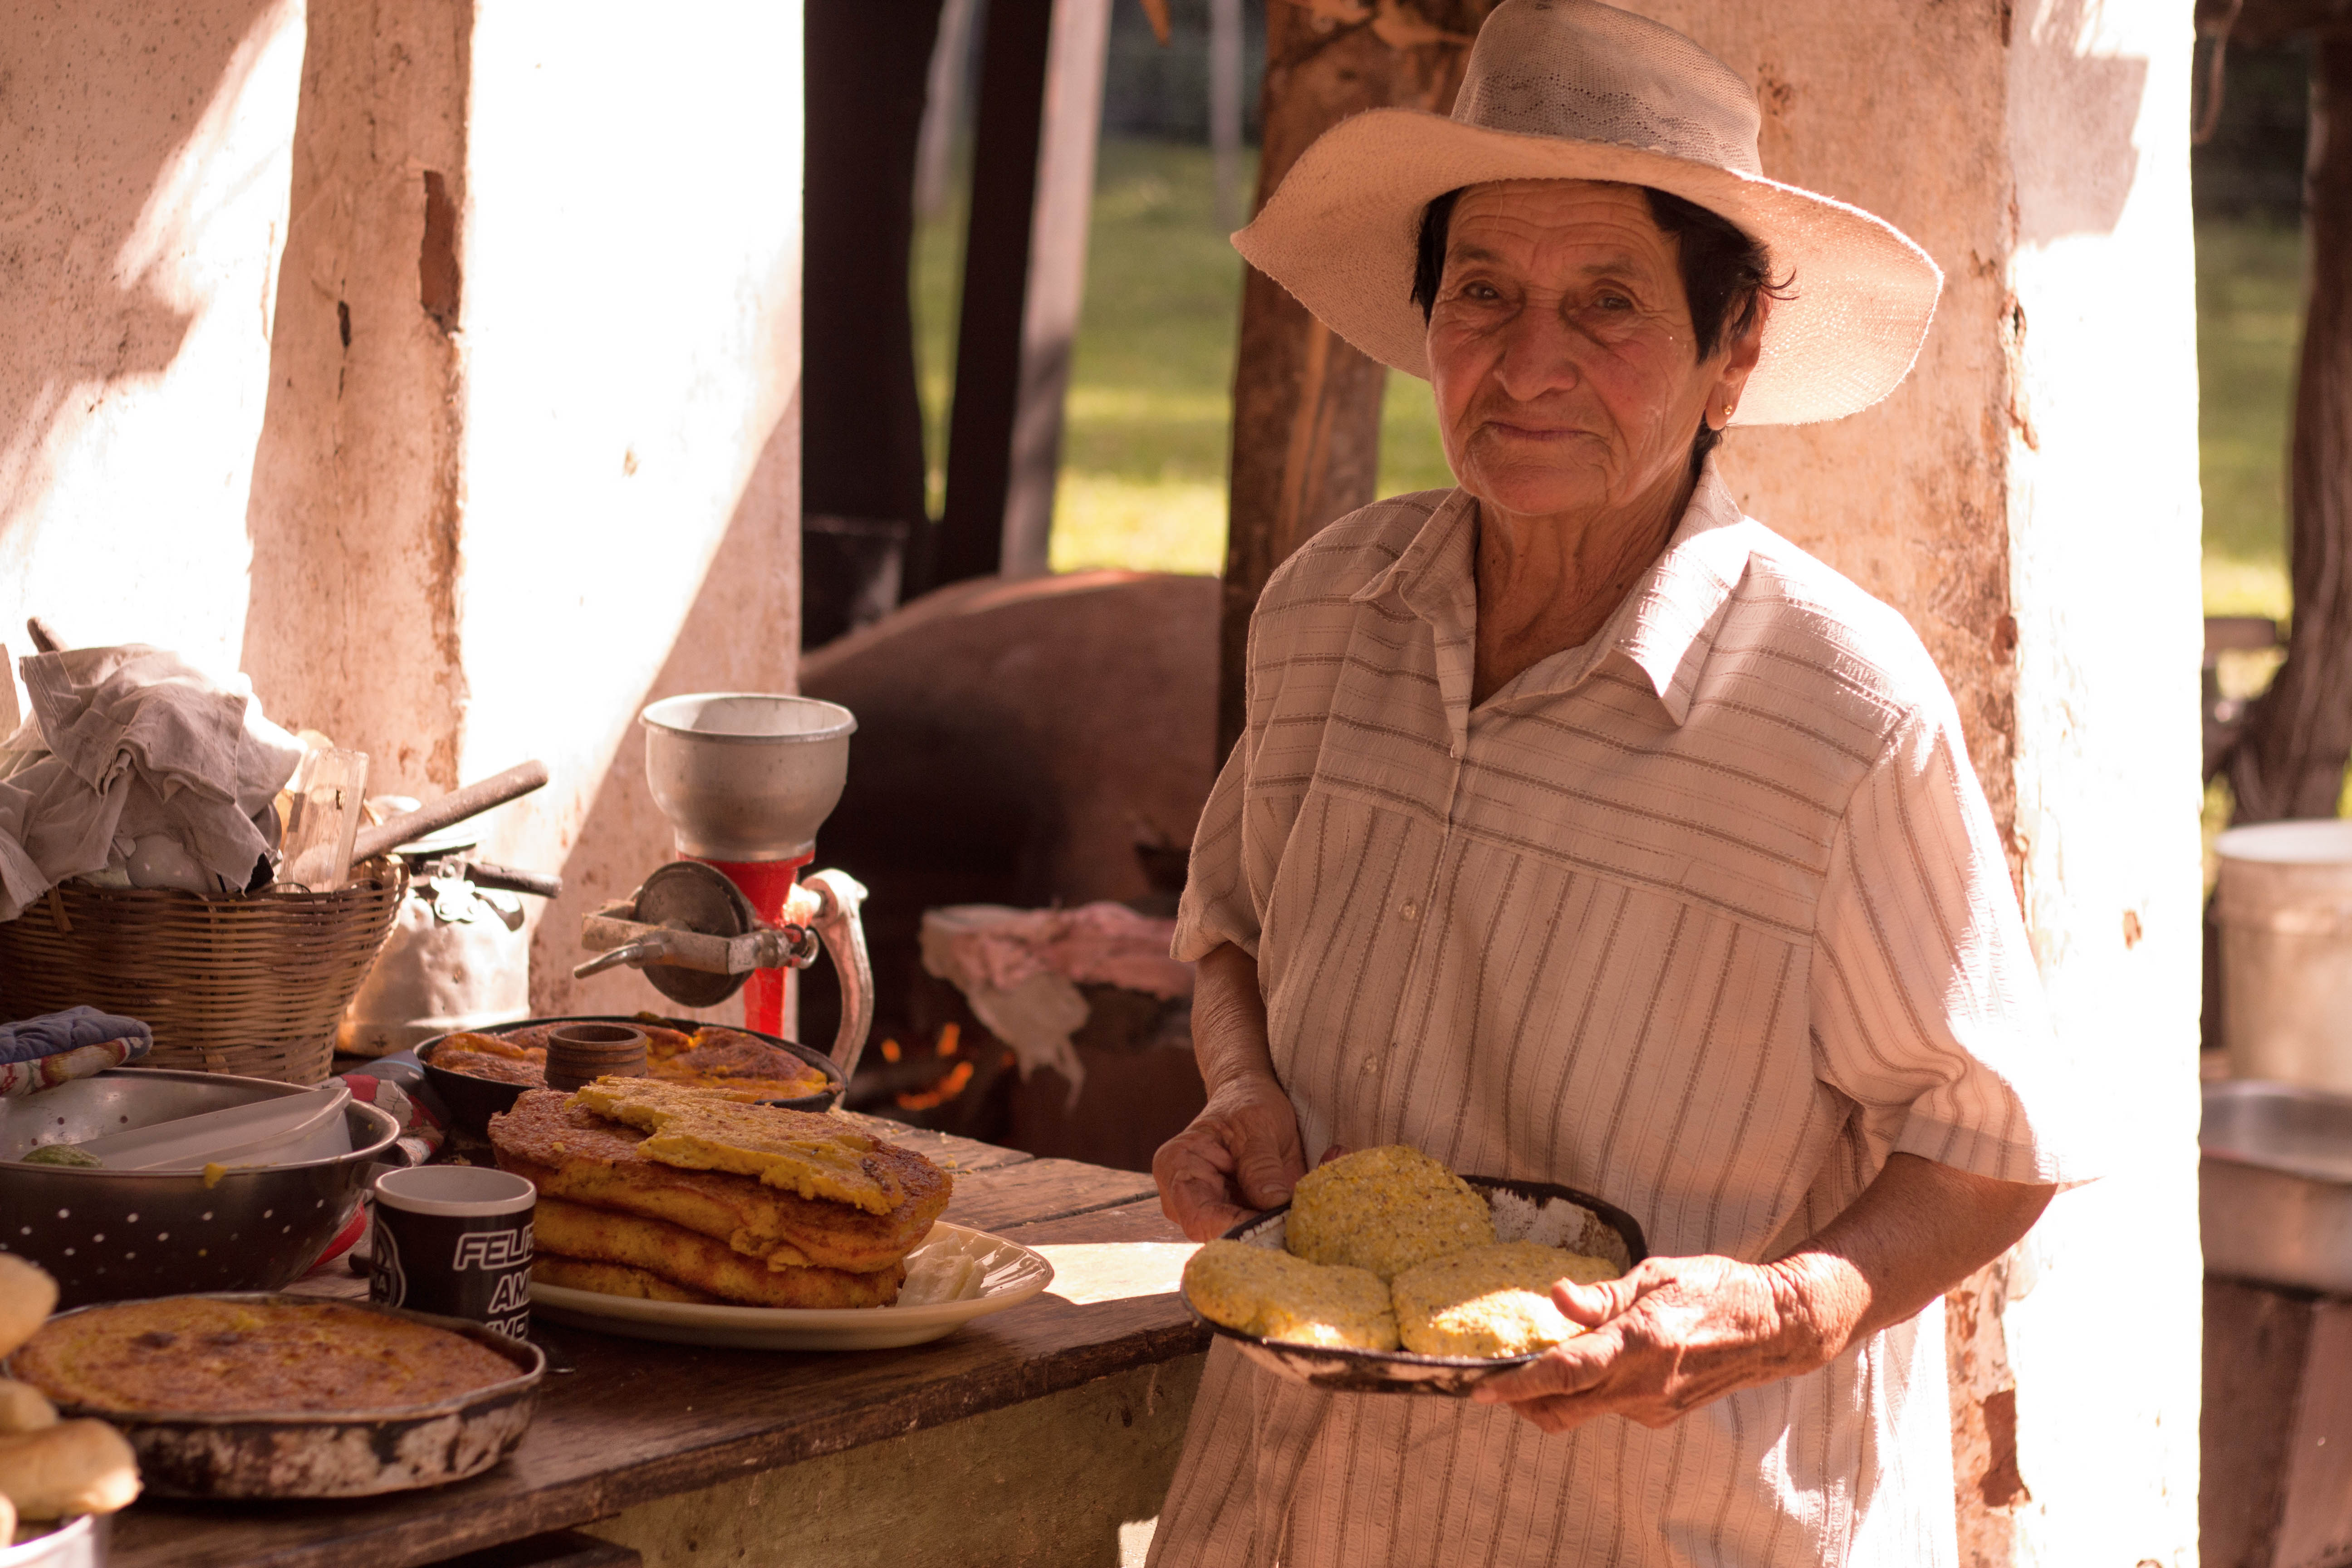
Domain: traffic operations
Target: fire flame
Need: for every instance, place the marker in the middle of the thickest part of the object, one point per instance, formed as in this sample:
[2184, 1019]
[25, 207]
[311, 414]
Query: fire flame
[939, 1093]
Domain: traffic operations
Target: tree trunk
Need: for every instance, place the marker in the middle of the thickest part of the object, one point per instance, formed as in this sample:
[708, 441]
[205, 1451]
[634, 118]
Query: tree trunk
[1307, 406]
[2290, 761]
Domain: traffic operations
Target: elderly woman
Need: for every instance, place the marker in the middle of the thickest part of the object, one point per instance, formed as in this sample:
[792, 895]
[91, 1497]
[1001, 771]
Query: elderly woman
[1585, 830]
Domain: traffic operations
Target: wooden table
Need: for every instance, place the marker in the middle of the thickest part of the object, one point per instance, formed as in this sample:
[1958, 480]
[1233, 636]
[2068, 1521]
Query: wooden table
[635, 1421]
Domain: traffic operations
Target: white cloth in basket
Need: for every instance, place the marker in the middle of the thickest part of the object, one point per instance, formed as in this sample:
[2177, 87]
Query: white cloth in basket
[130, 742]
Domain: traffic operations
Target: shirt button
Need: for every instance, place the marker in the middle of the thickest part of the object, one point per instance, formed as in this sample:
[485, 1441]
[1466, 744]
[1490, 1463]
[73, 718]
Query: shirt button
[1412, 910]
[1370, 1065]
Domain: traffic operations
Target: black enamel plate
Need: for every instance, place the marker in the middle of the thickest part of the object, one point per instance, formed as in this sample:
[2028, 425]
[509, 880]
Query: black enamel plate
[1610, 1231]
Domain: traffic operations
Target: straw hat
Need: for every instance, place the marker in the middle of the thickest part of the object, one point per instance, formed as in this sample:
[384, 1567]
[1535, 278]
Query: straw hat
[1570, 89]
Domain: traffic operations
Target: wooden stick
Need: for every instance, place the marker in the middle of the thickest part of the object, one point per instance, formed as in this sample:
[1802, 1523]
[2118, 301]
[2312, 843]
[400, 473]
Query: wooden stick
[451, 809]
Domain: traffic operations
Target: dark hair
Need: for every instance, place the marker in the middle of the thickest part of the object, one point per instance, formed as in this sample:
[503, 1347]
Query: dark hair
[1727, 273]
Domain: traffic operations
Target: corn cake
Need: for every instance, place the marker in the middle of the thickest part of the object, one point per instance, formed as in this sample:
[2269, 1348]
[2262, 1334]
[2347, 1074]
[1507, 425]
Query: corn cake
[708, 1267]
[727, 1059]
[568, 1151]
[201, 1355]
[1491, 1302]
[1275, 1296]
[613, 1279]
[709, 1057]
[816, 1155]
[1385, 1210]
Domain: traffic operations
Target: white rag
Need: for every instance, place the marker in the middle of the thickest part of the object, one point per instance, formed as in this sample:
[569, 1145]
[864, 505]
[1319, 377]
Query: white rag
[129, 743]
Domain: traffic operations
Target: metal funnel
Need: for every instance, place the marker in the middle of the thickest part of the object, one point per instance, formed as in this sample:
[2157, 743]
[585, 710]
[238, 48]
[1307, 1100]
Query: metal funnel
[744, 775]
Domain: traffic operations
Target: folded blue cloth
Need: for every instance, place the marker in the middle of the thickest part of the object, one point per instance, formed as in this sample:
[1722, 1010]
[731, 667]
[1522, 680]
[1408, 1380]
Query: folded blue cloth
[68, 1031]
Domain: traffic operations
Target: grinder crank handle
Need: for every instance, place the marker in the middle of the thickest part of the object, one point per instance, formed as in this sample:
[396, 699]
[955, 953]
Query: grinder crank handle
[648, 950]
[839, 897]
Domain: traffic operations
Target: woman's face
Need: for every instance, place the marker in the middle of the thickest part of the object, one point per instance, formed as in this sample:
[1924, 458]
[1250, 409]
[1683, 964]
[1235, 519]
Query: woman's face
[1562, 349]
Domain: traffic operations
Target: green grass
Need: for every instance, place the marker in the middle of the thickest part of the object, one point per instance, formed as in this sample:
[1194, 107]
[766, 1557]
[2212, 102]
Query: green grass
[1148, 418]
[2249, 320]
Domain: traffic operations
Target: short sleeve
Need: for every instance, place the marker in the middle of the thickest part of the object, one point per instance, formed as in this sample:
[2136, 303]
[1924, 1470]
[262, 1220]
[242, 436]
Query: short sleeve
[1927, 1010]
[1217, 907]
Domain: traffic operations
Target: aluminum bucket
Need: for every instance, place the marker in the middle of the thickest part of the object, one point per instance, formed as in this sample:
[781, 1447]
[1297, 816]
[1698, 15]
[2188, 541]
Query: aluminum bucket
[2285, 907]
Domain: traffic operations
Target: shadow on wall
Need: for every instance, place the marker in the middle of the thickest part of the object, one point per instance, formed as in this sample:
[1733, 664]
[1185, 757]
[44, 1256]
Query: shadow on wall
[739, 636]
[104, 108]
[2075, 161]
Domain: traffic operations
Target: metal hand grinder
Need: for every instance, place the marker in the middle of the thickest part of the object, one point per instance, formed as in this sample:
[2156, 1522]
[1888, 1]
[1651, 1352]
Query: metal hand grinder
[746, 779]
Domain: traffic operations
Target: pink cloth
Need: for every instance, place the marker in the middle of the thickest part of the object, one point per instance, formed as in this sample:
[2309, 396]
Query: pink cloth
[1094, 944]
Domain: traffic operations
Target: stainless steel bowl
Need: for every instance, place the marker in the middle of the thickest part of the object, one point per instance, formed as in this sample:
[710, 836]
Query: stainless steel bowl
[2274, 1187]
[111, 1236]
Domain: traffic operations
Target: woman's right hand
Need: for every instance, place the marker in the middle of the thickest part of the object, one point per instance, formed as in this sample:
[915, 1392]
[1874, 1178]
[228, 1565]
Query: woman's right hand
[1239, 1157]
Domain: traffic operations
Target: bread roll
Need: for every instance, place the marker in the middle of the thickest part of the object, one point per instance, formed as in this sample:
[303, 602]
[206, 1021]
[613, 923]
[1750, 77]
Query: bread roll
[27, 1297]
[23, 1408]
[72, 1468]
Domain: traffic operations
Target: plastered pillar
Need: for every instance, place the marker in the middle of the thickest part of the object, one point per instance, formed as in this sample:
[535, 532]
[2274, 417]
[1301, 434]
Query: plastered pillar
[507, 448]
[2104, 524]
[630, 450]
[2028, 500]
[531, 457]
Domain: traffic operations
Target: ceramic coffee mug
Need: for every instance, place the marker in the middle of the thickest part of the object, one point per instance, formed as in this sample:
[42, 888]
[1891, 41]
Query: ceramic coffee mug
[456, 1240]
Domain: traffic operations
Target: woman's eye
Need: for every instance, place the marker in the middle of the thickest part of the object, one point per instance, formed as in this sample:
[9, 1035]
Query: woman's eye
[1614, 302]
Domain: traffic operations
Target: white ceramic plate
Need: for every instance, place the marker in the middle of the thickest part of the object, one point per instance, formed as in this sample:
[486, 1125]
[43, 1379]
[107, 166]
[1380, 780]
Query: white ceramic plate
[1010, 1274]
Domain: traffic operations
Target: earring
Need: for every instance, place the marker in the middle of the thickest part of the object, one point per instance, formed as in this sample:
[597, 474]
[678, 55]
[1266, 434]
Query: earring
[1726, 414]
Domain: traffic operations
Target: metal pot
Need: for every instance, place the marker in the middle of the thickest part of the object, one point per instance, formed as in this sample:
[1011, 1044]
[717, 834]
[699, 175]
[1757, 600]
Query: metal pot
[2274, 1187]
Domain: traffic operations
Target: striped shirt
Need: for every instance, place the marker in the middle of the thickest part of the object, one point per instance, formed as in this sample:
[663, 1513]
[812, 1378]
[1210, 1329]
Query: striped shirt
[1708, 916]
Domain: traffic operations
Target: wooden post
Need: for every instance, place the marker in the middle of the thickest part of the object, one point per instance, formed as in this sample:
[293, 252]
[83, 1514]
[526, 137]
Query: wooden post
[1225, 106]
[1076, 58]
[2290, 760]
[1025, 271]
[943, 106]
[1306, 405]
[969, 537]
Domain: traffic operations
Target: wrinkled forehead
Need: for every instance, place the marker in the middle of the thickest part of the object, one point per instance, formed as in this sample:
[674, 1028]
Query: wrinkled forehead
[1547, 225]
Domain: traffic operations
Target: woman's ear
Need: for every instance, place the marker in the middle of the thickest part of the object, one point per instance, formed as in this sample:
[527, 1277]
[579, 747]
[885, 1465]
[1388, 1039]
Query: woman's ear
[1739, 357]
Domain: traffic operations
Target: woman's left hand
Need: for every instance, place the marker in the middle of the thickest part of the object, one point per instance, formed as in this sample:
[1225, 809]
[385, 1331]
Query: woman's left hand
[1670, 1336]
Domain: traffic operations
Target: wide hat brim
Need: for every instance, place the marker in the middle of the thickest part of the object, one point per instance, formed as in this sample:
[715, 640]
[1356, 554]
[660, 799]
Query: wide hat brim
[1342, 231]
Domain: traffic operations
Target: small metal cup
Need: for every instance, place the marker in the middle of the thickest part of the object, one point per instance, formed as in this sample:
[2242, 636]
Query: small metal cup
[580, 1054]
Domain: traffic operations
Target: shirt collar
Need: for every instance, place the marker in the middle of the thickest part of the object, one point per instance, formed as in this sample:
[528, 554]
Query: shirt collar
[1664, 626]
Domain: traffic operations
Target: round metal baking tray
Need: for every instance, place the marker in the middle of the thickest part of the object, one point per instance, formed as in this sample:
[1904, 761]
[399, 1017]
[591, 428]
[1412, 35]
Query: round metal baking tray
[320, 1454]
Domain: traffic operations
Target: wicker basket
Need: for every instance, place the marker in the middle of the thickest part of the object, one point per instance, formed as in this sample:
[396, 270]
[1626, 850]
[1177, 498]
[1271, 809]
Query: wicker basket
[249, 985]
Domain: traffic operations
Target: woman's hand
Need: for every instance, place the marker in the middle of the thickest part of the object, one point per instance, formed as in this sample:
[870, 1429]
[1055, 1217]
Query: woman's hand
[1241, 1154]
[1670, 1336]
[1677, 1333]
[1243, 1148]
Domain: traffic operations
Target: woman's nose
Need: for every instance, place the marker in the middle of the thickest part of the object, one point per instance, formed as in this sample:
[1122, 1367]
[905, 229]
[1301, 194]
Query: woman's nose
[1539, 353]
